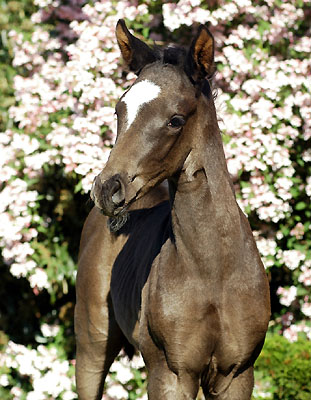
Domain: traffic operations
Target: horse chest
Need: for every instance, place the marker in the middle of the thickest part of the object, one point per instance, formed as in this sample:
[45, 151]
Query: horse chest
[195, 318]
[146, 235]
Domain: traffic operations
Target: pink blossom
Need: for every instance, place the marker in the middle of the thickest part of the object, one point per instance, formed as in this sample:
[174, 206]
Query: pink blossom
[116, 392]
[46, 372]
[49, 330]
[124, 374]
[287, 295]
[4, 380]
[305, 276]
[291, 333]
[298, 231]
[306, 306]
[291, 258]
[267, 249]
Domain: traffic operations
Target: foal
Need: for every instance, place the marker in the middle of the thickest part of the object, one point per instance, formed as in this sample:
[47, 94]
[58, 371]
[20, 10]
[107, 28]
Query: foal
[181, 280]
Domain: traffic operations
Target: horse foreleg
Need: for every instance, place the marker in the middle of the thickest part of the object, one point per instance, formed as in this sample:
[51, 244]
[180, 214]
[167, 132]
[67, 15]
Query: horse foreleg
[166, 385]
[98, 336]
[240, 388]
[96, 351]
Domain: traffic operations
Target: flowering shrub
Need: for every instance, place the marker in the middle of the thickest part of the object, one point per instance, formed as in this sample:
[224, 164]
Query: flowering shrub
[56, 135]
[23, 362]
[283, 370]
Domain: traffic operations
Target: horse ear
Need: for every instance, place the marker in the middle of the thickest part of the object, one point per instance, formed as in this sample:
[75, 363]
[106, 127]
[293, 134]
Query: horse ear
[135, 53]
[200, 60]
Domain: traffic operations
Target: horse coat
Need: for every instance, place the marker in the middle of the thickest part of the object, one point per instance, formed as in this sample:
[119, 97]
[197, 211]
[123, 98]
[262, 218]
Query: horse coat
[175, 274]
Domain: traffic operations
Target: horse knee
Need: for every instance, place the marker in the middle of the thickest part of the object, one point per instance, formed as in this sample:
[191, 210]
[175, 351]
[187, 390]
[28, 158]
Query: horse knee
[242, 385]
[240, 388]
[165, 384]
[89, 384]
[162, 385]
[188, 385]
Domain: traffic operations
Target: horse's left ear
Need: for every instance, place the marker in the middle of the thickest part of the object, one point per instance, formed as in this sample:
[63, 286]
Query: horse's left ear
[135, 53]
[200, 60]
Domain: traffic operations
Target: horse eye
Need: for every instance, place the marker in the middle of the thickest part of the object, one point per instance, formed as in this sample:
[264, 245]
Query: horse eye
[176, 122]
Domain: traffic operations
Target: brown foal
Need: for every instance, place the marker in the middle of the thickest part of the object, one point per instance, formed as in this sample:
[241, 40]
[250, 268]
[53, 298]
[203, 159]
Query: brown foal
[175, 274]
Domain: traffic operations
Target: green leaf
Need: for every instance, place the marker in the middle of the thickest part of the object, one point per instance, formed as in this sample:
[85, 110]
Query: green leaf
[78, 187]
[300, 206]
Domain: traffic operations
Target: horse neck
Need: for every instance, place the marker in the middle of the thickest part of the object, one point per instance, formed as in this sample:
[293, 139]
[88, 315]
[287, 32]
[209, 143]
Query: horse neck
[206, 220]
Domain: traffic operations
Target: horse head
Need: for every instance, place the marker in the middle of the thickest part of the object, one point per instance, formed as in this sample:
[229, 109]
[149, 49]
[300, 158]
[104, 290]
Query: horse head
[156, 117]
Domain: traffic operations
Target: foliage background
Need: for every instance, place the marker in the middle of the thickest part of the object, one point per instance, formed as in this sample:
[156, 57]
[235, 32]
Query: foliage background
[60, 77]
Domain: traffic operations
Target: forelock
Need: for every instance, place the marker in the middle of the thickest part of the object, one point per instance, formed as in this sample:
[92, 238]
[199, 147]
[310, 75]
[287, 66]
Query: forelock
[177, 56]
[174, 55]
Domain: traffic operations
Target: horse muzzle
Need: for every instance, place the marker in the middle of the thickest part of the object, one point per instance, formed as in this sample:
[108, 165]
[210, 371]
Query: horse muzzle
[109, 196]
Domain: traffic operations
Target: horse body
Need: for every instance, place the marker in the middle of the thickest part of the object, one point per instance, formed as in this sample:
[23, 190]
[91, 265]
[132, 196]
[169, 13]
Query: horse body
[184, 282]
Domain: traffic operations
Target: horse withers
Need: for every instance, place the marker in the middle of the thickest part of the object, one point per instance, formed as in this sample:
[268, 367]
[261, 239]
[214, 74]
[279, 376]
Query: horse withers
[175, 274]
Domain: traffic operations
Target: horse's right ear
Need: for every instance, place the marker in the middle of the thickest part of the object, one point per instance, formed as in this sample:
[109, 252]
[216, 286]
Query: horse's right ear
[135, 53]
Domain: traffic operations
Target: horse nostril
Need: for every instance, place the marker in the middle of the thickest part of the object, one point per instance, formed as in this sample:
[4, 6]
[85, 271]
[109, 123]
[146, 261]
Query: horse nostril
[117, 193]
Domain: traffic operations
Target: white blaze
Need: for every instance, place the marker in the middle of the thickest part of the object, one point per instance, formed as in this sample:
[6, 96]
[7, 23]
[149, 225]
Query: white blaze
[139, 94]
